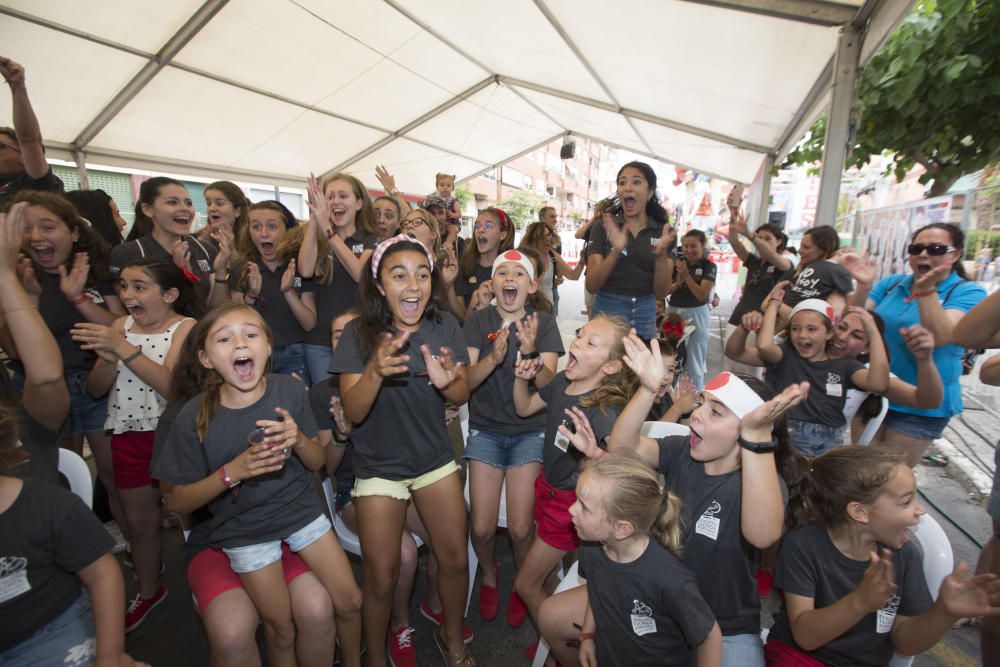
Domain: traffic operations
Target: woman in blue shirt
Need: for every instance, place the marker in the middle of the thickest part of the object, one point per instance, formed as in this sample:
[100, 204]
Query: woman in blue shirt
[936, 295]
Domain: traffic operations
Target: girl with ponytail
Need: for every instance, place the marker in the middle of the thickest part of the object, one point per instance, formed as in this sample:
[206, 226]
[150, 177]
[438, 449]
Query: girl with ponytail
[634, 572]
[853, 584]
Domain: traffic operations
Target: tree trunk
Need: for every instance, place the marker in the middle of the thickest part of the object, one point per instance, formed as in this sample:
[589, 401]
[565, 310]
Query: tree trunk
[940, 186]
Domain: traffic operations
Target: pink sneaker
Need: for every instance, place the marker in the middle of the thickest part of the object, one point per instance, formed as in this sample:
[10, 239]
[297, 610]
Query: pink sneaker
[401, 653]
[138, 609]
[437, 618]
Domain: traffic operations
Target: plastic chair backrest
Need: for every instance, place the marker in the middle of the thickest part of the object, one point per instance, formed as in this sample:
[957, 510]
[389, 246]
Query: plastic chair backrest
[871, 428]
[663, 429]
[570, 580]
[77, 473]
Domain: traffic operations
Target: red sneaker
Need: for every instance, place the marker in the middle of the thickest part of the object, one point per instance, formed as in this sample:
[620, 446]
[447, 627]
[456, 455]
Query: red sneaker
[437, 618]
[401, 653]
[138, 609]
[489, 597]
[516, 610]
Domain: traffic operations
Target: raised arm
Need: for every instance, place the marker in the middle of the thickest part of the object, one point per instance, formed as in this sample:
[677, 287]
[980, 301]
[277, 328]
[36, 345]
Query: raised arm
[663, 264]
[875, 378]
[45, 396]
[862, 269]
[766, 349]
[388, 182]
[938, 321]
[317, 227]
[737, 347]
[980, 327]
[647, 364]
[29, 133]
[928, 393]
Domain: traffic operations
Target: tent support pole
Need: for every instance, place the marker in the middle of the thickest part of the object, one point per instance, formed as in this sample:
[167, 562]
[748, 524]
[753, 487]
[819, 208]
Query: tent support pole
[838, 123]
[81, 169]
[765, 192]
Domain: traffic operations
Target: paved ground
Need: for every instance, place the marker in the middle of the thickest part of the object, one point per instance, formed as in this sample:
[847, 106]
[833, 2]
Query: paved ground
[173, 635]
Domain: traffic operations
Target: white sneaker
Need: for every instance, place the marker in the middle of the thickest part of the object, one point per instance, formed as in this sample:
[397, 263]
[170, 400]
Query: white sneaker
[116, 533]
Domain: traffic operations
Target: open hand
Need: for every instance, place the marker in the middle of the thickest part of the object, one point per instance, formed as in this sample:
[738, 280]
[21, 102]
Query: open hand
[442, 369]
[878, 583]
[919, 341]
[386, 361]
[11, 236]
[254, 280]
[970, 596]
[583, 439]
[645, 362]
[72, 283]
[762, 417]
[288, 277]
[527, 333]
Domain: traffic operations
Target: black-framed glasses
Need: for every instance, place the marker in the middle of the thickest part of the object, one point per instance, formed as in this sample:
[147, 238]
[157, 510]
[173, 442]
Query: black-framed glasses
[412, 224]
[933, 249]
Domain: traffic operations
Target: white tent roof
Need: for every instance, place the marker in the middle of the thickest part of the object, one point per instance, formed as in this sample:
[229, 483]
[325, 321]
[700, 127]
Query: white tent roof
[273, 89]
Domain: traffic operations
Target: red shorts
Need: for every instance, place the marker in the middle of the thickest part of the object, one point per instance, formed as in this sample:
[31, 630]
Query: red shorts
[131, 456]
[554, 524]
[209, 573]
[780, 654]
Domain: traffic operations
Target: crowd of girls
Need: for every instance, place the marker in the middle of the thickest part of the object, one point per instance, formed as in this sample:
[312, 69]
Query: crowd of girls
[218, 372]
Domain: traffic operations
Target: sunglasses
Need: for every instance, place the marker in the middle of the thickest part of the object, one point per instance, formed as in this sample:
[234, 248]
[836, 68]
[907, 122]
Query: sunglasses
[933, 249]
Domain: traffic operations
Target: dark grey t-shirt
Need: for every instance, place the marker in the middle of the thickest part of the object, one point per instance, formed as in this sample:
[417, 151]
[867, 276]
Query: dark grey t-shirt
[810, 565]
[648, 612]
[633, 272]
[11, 185]
[466, 287]
[319, 401]
[42, 447]
[46, 535]
[713, 536]
[272, 304]
[817, 281]
[761, 278]
[561, 468]
[202, 258]
[61, 316]
[262, 509]
[491, 407]
[828, 380]
[701, 271]
[404, 434]
[340, 293]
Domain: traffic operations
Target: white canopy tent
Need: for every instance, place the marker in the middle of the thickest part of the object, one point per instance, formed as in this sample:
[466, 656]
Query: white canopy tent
[269, 90]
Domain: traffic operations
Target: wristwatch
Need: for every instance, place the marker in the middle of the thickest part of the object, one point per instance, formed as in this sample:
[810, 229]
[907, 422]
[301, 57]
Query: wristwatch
[759, 447]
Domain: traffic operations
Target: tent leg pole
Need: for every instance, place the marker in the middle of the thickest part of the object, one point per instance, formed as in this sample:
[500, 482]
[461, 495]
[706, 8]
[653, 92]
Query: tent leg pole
[81, 169]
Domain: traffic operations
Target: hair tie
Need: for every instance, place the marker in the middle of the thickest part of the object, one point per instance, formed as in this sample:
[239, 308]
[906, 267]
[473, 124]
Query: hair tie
[191, 277]
[382, 247]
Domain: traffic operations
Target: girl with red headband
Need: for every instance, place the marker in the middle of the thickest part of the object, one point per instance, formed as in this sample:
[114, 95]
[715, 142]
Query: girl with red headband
[492, 234]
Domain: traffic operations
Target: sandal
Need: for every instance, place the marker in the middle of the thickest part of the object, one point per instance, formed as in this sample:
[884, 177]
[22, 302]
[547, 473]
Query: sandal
[450, 659]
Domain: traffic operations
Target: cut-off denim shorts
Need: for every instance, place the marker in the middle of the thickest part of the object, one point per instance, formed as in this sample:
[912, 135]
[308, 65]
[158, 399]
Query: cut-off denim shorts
[255, 557]
[915, 426]
[69, 639]
[504, 451]
[812, 439]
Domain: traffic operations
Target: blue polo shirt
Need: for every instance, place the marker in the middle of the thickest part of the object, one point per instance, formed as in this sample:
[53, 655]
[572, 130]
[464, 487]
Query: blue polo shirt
[889, 295]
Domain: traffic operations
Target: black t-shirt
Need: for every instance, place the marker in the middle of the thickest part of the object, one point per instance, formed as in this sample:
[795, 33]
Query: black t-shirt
[561, 468]
[338, 293]
[829, 381]
[491, 407]
[810, 565]
[202, 258]
[817, 281]
[61, 316]
[42, 447]
[633, 272]
[404, 434]
[465, 287]
[11, 185]
[319, 401]
[272, 304]
[713, 536]
[761, 278]
[660, 408]
[261, 509]
[700, 271]
[46, 535]
[648, 612]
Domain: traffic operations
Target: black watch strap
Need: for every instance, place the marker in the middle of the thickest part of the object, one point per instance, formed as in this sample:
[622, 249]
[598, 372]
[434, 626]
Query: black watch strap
[759, 447]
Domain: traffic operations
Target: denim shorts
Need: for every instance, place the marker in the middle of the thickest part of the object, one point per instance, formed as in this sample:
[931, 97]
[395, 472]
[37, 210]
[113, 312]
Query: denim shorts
[744, 650]
[86, 413]
[915, 426]
[504, 451]
[640, 311]
[69, 639]
[289, 359]
[255, 557]
[811, 439]
[317, 361]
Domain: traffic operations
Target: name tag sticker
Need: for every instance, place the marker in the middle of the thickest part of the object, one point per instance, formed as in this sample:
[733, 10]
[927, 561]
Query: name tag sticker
[707, 526]
[835, 390]
[14, 584]
[562, 442]
[643, 625]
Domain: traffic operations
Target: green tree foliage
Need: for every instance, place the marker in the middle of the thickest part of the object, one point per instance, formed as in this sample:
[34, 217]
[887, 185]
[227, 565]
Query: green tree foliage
[463, 195]
[521, 207]
[931, 96]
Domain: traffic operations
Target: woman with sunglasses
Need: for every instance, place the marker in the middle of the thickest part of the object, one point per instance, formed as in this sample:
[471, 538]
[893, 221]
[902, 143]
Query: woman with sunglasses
[936, 295]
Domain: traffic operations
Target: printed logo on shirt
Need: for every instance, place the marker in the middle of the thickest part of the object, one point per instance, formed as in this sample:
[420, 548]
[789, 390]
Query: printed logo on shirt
[805, 284]
[13, 577]
[697, 272]
[708, 523]
[94, 295]
[886, 616]
[654, 241]
[358, 248]
[472, 280]
[642, 619]
[204, 265]
[833, 385]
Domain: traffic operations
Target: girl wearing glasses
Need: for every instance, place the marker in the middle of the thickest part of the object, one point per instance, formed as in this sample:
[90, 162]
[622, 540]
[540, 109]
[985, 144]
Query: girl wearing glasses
[936, 295]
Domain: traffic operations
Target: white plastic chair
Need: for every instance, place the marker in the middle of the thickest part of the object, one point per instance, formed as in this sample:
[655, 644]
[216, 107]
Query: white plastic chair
[938, 561]
[871, 428]
[77, 473]
[570, 581]
[663, 429]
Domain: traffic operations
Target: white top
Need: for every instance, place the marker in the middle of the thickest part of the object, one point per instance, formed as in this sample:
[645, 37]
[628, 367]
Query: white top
[545, 281]
[133, 405]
